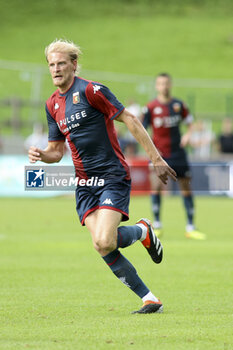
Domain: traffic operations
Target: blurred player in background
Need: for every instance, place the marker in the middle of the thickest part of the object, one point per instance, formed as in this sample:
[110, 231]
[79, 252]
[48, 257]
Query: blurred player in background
[82, 112]
[38, 138]
[164, 115]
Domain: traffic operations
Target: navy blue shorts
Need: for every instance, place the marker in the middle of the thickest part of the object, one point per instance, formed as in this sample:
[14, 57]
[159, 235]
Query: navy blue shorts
[179, 162]
[113, 195]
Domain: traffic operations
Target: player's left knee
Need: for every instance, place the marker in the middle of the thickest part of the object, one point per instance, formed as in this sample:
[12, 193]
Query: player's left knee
[104, 244]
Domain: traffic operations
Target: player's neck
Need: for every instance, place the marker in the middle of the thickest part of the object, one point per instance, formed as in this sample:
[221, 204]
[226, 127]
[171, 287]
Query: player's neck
[164, 99]
[64, 88]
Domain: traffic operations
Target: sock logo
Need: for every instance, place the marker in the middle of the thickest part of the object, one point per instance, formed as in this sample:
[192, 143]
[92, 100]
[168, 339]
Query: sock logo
[107, 201]
[123, 280]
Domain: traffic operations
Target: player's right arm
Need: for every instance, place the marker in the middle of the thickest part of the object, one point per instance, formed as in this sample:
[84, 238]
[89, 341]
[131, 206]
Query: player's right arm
[55, 149]
[52, 154]
[146, 117]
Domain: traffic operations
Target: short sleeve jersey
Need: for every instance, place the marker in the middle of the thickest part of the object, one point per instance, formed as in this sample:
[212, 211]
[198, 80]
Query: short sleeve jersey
[84, 116]
[165, 120]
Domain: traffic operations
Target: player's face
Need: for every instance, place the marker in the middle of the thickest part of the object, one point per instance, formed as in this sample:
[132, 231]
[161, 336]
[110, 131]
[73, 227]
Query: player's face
[62, 69]
[163, 86]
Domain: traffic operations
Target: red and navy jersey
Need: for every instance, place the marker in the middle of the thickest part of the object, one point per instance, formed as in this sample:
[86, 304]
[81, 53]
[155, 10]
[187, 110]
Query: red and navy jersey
[165, 120]
[84, 116]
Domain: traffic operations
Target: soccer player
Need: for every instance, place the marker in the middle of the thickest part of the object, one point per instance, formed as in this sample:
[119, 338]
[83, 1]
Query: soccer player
[83, 112]
[164, 114]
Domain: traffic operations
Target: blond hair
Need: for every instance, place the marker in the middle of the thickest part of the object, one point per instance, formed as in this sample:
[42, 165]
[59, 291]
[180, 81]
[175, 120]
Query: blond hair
[64, 46]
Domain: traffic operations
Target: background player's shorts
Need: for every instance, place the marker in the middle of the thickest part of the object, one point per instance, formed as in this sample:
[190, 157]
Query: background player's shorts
[113, 195]
[179, 162]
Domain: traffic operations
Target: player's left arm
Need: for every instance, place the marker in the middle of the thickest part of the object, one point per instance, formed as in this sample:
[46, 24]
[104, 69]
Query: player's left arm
[185, 139]
[188, 120]
[162, 169]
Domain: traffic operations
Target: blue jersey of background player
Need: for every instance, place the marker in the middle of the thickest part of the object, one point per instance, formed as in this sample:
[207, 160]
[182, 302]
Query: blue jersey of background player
[83, 112]
[164, 115]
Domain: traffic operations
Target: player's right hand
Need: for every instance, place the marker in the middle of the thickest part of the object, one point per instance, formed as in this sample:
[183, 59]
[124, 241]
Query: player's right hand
[34, 154]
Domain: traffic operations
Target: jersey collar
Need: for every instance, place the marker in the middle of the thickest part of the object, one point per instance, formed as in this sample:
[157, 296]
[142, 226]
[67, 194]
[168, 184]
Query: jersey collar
[64, 93]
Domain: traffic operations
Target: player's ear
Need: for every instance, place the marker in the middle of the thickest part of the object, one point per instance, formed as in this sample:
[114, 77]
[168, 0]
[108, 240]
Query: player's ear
[75, 64]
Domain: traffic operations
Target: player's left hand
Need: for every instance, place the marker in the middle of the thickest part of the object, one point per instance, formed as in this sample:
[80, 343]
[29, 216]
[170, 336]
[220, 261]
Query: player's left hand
[185, 139]
[164, 171]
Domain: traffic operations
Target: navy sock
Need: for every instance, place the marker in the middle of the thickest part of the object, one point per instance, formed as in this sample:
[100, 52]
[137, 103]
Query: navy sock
[156, 204]
[125, 271]
[127, 235]
[189, 208]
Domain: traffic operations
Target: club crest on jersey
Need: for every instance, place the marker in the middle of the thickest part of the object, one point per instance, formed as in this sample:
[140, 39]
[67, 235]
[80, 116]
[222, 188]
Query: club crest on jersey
[56, 106]
[157, 110]
[176, 106]
[96, 88]
[76, 97]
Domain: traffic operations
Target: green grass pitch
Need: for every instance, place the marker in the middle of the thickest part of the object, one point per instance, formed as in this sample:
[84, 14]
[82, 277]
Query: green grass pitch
[57, 293]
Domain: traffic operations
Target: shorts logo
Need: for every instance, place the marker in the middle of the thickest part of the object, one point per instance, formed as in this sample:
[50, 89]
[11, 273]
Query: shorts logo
[107, 201]
[96, 88]
[76, 97]
[35, 178]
